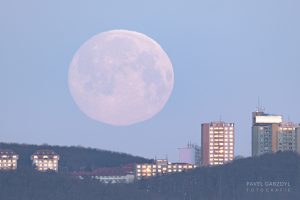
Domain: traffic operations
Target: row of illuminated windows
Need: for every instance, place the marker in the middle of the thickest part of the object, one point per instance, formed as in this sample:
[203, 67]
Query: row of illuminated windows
[216, 163]
[149, 166]
[46, 168]
[216, 148]
[45, 161]
[151, 170]
[45, 165]
[220, 136]
[221, 140]
[8, 165]
[211, 136]
[217, 143]
[159, 170]
[218, 159]
[221, 132]
[153, 173]
[164, 167]
[149, 174]
[220, 128]
[221, 144]
[221, 152]
[8, 161]
[221, 156]
[287, 129]
[211, 147]
[8, 157]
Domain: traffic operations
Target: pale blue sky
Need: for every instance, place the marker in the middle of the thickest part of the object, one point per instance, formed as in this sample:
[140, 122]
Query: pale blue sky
[225, 54]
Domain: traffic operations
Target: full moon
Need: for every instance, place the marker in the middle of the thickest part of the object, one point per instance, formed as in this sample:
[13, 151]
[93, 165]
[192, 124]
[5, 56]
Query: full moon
[121, 77]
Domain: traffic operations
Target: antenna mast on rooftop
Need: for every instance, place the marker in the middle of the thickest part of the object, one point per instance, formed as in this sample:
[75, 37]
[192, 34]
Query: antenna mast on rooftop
[259, 106]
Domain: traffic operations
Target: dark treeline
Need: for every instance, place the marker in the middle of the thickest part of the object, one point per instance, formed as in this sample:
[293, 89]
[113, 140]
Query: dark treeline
[30, 185]
[229, 182]
[74, 158]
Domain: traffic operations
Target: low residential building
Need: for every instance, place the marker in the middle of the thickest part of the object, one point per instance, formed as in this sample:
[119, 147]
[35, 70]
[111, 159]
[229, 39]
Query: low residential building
[160, 167]
[8, 159]
[45, 160]
[109, 175]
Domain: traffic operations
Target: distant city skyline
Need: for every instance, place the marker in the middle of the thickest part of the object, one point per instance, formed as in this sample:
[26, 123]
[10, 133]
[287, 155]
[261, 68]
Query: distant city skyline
[225, 55]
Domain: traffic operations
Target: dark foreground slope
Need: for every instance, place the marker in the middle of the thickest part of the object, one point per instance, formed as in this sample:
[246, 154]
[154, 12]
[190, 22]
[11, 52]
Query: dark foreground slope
[74, 158]
[29, 185]
[244, 179]
[269, 177]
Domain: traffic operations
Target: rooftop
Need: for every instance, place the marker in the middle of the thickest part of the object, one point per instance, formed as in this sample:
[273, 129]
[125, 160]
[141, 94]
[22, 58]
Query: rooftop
[45, 152]
[7, 152]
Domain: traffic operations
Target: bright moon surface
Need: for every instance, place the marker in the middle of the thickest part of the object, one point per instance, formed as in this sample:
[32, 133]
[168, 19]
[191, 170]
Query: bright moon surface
[121, 77]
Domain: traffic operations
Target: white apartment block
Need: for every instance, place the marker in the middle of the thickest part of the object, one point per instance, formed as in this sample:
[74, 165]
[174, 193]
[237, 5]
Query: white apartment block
[45, 160]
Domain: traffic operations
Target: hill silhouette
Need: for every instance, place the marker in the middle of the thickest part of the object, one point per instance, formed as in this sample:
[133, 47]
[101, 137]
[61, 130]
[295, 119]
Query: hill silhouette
[268, 177]
[74, 158]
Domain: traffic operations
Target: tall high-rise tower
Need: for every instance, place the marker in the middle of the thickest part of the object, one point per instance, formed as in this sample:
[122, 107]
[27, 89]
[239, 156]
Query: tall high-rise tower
[270, 134]
[264, 132]
[217, 143]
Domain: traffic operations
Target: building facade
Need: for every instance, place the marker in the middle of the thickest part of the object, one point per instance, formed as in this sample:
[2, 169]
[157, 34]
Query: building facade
[288, 138]
[264, 131]
[270, 134]
[217, 143]
[190, 154]
[45, 160]
[8, 160]
[109, 175]
[160, 167]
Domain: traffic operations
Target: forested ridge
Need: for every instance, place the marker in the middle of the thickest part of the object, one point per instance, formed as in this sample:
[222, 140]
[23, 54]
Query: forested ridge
[226, 182]
[32, 185]
[229, 182]
[74, 158]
